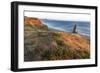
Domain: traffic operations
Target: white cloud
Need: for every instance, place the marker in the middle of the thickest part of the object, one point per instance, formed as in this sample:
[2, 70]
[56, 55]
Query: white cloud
[58, 16]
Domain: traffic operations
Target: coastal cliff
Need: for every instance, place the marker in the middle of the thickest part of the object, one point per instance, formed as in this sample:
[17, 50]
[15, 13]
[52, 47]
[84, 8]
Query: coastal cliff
[40, 43]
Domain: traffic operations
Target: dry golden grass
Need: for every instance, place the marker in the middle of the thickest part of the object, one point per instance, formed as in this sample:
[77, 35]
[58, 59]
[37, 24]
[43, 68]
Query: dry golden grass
[40, 46]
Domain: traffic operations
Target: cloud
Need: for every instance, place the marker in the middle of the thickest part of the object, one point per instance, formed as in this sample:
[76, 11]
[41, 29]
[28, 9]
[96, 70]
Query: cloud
[59, 16]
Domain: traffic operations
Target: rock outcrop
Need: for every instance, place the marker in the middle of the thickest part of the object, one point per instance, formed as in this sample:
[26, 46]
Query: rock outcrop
[32, 21]
[75, 30]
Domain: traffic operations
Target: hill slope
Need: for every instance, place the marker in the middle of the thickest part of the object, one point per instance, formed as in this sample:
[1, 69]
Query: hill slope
[42, 44]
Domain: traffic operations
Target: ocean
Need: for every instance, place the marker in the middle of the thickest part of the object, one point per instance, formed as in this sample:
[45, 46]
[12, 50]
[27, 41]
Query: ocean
[83, 27]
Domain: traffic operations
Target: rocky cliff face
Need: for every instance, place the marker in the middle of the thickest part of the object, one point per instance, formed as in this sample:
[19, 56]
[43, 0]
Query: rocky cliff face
[48, 45]
[32, 21]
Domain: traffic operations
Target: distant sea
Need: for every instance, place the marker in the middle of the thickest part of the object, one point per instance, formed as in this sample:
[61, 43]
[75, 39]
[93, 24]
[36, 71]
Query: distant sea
[83, 27]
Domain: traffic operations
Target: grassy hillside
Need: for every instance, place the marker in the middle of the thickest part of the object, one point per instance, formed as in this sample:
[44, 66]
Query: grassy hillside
[42, 44]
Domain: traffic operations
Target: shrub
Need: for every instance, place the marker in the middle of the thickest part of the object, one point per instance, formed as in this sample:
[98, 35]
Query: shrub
[43, 27]
[64, 54]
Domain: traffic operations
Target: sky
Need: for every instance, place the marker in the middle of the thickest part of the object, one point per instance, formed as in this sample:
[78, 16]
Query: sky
[66, 16]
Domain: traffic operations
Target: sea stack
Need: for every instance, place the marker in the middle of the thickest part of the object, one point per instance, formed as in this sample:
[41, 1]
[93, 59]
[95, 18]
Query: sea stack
[75, 29]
